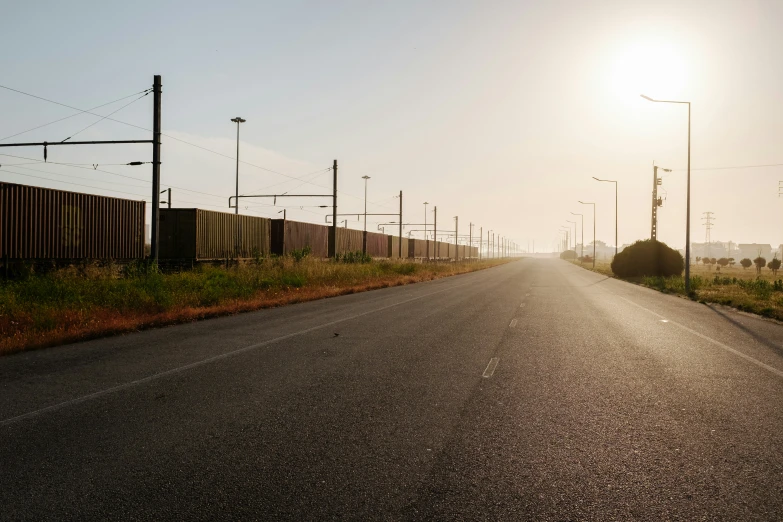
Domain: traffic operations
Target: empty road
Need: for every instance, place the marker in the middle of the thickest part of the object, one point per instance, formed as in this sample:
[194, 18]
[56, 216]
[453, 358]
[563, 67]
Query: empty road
[531, 391]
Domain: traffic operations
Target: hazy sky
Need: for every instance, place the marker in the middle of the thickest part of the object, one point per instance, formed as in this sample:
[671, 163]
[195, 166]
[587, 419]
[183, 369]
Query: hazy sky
[498, 112]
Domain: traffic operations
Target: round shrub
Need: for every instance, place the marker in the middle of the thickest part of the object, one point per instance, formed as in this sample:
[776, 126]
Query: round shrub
[568, 254]
[648, 258]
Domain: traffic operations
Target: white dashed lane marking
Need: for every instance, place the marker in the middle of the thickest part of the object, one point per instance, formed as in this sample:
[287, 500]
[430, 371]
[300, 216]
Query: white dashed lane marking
[493, 363]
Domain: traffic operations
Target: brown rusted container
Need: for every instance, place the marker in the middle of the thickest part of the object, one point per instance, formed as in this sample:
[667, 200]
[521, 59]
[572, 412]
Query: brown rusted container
[394, 247]
[40, 223]
[288, 236]
[192, 233]
[377, 245]
[420, 248]
[349, 240]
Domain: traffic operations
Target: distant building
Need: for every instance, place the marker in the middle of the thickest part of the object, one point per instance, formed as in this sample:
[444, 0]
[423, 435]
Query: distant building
[754, 250]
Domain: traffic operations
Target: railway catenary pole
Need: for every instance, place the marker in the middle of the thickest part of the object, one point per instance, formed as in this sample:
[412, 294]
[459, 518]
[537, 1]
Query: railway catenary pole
[157, 89]
[470, 242]
[435, 249]
[400, 245]
[332, 249]
[481, 240]
[456, 237]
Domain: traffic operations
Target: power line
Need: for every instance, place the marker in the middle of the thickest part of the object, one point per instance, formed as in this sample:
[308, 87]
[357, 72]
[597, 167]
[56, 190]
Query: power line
[737, 167]
[114, 112]
[172, 137]
[74, 115]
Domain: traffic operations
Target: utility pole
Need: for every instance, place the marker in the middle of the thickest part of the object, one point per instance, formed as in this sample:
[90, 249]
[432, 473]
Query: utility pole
[708, 217]
[364, 235]
[168, 198]
[332, 249]
[237, 120]
[481, 241]
[426, 241]
[656, 201]
[470, 242]
[157, 89]
[456, 237]
[400, 245]
[436, 251]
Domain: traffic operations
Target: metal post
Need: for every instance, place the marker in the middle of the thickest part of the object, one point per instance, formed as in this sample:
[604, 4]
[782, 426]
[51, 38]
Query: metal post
[168, 200]
[654, 220]
[481, 241]
[332, 249]
[364, 234]
[436, 250]
[156, 90]
[400, 245]
[456, 237]
[470, 242]
[616, 185]
[688, 214]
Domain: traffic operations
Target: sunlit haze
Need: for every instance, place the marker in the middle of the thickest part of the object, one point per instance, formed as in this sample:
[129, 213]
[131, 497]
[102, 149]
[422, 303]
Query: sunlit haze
[497, 112]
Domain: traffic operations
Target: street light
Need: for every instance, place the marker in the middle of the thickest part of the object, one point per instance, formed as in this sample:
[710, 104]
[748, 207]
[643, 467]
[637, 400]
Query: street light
[237, 120]
[574, 222]
[688, 196]
[615, 210]
[584, 203]
[582, 248]
[425, 230]
[567, 231]
[364, 235]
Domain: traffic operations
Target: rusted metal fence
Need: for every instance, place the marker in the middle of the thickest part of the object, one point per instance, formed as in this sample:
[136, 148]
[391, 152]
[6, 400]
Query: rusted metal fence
[39, 223]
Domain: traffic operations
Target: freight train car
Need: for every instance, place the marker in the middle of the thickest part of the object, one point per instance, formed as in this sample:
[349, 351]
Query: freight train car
[377, 245]
[46, 224]
[205, 235]
[288, 236]
[349, 240]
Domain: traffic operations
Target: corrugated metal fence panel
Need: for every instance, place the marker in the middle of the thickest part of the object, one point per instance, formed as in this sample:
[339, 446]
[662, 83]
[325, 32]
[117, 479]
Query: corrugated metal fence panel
[377, 244]
[349, 240]
[299, 235]
[218, 234]
[41, 223]
[177, 233]
[394, 247]
[418, 248]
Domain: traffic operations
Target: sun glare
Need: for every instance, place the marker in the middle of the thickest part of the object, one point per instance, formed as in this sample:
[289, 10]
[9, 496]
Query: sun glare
[656, 69]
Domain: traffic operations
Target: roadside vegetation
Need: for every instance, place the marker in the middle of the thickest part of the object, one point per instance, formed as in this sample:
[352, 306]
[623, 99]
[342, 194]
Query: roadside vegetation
[89, 301]
[748, 285]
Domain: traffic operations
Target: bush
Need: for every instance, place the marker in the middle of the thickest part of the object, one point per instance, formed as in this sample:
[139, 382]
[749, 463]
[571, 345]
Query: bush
[648, 258]
[746, 263]
[354, 257]
[760, 263]
[568, 254]
[774, 265]
[298, 255]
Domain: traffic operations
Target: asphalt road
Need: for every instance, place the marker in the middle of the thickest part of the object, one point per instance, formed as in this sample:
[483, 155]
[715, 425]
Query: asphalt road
[531, 391]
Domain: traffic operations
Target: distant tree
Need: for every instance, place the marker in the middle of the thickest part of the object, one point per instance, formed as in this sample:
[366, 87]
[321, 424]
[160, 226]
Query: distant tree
[774, 265]
[698, 258]
[723, 261]
[705, 260]
[746, 263]
[713, 260]
[732, 262]
[648, 258]
[760, 263]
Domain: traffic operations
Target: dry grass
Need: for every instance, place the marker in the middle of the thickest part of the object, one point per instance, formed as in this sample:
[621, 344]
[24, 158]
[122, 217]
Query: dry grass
[77, 304]
[743, 289]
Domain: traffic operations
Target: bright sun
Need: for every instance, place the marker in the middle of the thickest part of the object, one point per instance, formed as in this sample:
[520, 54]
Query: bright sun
[655, 69]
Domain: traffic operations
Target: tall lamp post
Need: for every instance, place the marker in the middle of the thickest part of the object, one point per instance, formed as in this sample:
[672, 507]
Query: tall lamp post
[688, 196]
[585, 203]
[615, 210]
[364, 235]
[574, 223]
[582, 254]
[237, 120]
[425, 230]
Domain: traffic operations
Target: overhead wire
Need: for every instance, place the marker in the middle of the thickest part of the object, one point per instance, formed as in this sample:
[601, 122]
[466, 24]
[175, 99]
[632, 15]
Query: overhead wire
[169, 136]
[114, 112]
[72, 115]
